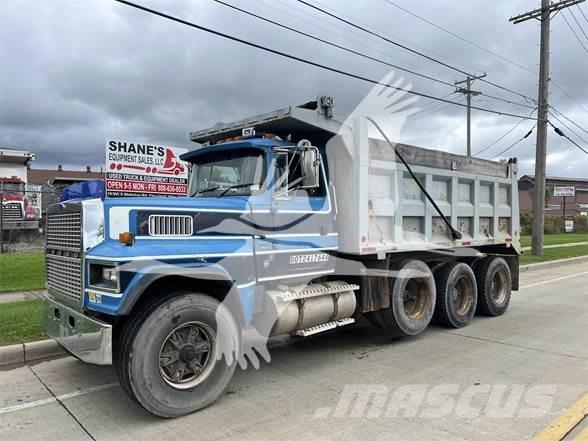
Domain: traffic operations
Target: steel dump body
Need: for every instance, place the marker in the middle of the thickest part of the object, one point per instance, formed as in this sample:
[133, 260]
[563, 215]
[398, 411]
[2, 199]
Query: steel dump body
[380, 207]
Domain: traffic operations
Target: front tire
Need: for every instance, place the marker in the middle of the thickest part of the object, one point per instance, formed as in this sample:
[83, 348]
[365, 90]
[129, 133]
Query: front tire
[168, 355]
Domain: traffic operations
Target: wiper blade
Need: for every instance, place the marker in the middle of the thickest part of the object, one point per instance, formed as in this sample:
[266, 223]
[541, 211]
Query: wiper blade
[232, 187]
[205, 190]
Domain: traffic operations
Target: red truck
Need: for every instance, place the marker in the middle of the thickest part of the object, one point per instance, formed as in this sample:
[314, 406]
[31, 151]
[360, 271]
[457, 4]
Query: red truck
[17, 211]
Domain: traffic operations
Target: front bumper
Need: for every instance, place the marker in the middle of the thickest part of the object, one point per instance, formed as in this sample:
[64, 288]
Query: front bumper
[86, 338]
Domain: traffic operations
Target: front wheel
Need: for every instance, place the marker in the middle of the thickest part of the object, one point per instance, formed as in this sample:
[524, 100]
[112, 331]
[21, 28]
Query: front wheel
[168, 356]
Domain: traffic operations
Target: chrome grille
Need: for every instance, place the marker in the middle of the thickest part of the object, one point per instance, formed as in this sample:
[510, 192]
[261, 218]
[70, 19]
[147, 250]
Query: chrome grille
[11, 211]
[170, 225]
[64, 231]
[64, 275]
[63, 257]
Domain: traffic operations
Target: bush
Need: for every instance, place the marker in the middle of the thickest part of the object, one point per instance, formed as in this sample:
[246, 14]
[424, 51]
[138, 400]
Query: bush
[553, 224]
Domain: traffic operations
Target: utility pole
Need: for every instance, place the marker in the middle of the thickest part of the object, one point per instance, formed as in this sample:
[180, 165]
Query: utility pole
[544, 16]
[468, 92]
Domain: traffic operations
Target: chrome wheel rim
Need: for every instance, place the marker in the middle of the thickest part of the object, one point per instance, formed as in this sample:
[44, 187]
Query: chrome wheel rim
[187, 355]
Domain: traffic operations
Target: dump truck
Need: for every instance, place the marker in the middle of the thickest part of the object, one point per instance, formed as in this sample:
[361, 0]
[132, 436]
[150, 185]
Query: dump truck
[297, 222]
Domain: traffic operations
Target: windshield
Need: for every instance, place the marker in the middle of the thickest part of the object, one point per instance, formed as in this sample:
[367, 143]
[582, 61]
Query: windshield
[228, 173]
[12, 187]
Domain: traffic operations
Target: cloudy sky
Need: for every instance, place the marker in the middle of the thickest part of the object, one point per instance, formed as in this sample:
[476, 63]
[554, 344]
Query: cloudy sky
[76, 72]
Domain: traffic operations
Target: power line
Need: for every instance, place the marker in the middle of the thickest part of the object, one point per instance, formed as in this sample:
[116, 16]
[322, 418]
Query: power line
[338, 46]
[578, 23]
[407, 43]
[322, 40]
[568, 119]
[496, 54]
[582, 12]
[437, 108]
[568, 127]
[571, 98]
[561, 133]
[312, 18]
[395, 43]
[305, 61]
[514, 143]
[574, 32]
[465, 40]
[382, 37]
[503, 136]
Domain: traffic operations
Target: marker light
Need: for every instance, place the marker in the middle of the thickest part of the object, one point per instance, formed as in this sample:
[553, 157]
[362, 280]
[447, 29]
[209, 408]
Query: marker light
[126, 238]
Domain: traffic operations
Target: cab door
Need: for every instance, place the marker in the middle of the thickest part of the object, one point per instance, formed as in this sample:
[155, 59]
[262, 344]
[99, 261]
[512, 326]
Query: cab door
[304, 240]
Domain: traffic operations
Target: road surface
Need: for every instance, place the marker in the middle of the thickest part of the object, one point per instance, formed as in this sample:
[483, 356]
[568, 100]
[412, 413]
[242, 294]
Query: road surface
[504, 378]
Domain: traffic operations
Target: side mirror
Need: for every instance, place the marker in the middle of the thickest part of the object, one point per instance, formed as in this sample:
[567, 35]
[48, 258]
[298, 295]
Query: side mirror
[310, 163]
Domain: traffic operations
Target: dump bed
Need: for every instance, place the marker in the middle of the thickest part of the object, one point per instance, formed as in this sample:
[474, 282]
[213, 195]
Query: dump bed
[380, 207]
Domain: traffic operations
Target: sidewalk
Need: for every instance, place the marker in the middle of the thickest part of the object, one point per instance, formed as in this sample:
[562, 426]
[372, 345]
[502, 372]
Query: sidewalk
[21, 296]
[559, 245]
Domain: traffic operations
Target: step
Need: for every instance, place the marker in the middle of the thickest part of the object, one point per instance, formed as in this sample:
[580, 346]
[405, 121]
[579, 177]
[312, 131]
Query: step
[316, 290]
[324, 327]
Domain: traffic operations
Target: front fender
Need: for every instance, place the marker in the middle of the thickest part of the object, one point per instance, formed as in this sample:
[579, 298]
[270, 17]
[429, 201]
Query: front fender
[141, 276]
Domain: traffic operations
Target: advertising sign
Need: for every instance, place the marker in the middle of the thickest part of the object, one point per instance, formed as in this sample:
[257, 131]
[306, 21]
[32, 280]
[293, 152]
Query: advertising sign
[568, 190]
[141, 169]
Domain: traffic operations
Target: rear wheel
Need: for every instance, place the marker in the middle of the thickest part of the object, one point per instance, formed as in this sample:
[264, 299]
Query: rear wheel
[412, 300]
[168, 356]
[494, 286]
[457, 295]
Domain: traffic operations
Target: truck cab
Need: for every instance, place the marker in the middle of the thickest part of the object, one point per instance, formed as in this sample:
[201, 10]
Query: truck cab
[281, 234]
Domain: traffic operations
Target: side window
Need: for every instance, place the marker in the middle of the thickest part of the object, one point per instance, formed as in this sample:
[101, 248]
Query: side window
[289, 177]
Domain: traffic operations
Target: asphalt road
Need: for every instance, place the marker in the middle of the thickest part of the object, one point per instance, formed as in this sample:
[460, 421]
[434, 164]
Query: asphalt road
[504, 378]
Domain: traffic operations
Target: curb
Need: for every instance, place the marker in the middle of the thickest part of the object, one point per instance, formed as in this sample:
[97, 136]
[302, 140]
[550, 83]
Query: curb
[33, 351]
[552, 263]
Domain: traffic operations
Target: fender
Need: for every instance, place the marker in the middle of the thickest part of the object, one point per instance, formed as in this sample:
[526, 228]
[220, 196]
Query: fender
[145, 276]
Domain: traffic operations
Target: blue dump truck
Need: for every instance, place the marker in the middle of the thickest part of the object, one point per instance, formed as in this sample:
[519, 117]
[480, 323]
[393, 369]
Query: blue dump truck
[297, 222]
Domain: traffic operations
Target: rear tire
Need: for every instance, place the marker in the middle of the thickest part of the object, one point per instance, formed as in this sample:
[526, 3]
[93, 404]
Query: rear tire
[412, 300]
[457, 295]
[494, 286]
[167, 357]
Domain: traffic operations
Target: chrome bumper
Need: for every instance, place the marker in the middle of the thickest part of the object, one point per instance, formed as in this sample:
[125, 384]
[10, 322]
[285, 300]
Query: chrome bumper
[88, 339]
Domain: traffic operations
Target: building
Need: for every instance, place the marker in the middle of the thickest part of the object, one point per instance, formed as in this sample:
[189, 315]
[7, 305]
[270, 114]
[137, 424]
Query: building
[59, 177]
[574, 205]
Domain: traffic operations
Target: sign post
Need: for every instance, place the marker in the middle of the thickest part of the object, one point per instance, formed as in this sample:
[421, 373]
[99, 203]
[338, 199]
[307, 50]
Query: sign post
[564, 192]
[139, 169]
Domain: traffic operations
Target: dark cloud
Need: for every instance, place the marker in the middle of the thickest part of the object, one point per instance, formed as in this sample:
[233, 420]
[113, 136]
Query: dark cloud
[73, 73]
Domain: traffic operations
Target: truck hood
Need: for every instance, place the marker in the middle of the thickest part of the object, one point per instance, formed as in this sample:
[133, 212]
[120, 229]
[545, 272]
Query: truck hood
[210, 214]
[187, 203]
[12, 197]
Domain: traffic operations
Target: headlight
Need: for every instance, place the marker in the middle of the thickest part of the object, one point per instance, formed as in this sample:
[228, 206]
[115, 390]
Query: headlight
[104, 276]
[109, 274]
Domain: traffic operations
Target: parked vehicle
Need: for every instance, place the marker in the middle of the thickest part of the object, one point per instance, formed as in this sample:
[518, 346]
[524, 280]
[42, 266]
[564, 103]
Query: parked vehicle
[17, 211]
[295, 224]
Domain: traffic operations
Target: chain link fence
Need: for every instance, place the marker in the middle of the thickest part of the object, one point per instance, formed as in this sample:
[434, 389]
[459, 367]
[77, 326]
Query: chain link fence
[22, 216]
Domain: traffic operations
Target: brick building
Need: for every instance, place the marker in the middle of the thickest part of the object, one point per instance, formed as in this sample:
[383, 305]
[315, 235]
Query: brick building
[60, 177]
[576, 205]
